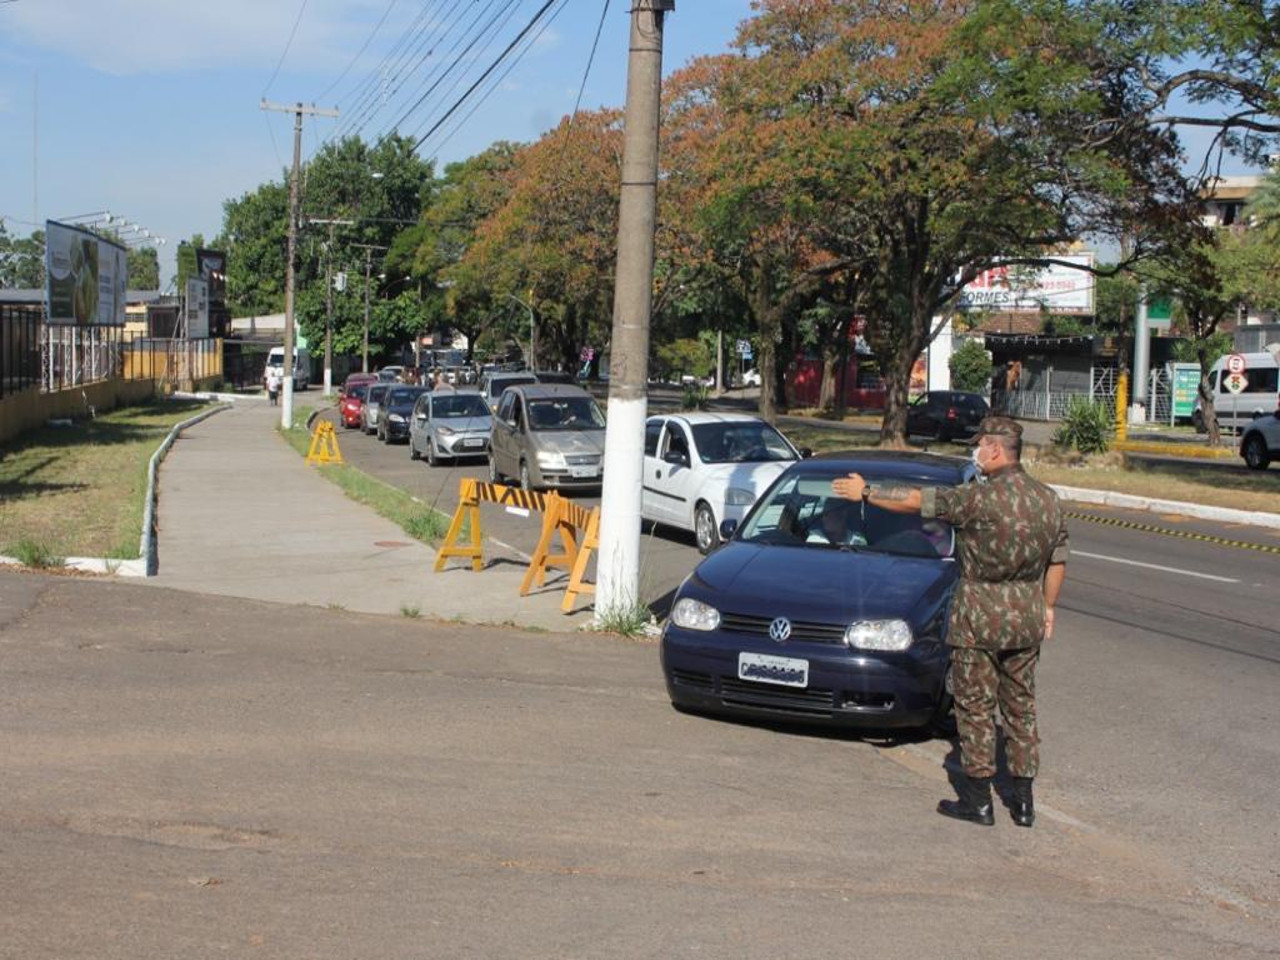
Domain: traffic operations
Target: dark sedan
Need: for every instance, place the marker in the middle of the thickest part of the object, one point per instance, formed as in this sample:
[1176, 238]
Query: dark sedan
[818, 610]
[395, 412]
[946, 414]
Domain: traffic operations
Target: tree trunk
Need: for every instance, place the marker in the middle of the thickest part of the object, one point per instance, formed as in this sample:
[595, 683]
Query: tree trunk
[1206, 396]
[893, 429]
[842, 358]
[827, 388]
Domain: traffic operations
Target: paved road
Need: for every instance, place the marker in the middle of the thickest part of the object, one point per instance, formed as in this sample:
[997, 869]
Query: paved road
[188, 776]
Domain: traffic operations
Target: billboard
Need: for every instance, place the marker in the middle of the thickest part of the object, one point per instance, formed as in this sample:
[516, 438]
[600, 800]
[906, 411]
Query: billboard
[1055, 289]
[86, 276]
[197, 309]
[212, 268]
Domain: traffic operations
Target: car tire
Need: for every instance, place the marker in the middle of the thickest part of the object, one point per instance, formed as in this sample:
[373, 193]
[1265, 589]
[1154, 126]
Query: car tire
[1254, 451]
[943, 722]
[413, 450]
[704, 529]
[494, 475]
[526, 482]
[432, 459]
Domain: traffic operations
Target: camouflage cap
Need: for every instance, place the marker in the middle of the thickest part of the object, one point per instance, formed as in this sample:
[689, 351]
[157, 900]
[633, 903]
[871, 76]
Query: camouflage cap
[999, 427]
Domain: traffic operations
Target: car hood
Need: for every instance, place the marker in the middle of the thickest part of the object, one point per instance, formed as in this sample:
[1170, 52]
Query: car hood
[570, 441]
[821, 585]
[748, 476]
[466, 424]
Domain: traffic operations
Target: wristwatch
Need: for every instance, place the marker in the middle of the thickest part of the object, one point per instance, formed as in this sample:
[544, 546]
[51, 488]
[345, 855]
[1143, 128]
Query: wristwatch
[866, 492]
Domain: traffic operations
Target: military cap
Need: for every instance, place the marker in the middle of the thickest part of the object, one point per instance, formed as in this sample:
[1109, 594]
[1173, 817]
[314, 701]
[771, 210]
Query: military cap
[999, 427]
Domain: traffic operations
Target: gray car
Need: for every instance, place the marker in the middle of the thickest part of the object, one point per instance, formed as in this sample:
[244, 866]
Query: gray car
[449, 424]
[548, 435]
[372, 402]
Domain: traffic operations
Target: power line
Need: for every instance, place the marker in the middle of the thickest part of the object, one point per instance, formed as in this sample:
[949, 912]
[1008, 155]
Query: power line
[590, 60]
[488, 70]
[365, 46]
[289, 43]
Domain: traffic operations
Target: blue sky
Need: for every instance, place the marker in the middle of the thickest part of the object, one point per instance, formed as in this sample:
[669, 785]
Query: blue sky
[149, 108]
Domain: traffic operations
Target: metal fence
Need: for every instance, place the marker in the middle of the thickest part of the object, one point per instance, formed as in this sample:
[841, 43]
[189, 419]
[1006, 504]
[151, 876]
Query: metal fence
[1044, 403]
[72, 356]
[19, 348]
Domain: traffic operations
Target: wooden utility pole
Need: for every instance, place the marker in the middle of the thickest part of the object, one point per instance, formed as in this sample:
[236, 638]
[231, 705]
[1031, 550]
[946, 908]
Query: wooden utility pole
[618, 561]
[286, 406]
[368, 249]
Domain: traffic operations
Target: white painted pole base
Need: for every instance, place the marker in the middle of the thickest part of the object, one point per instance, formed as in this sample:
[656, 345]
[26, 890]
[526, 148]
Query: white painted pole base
[286, 402]
[618, 559]
[328, 381]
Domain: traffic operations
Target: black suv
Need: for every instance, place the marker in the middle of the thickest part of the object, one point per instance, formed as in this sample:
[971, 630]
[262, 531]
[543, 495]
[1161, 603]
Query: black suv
[946, 414]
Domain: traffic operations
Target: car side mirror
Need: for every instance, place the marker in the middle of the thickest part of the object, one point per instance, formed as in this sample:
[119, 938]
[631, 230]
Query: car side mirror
[806, 453]
[728, 528]
[675, 458]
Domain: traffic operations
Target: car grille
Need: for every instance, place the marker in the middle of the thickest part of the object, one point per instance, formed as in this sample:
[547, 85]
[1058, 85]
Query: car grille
[582, 459]
[687, 678]
[802, 631]
[810, 701]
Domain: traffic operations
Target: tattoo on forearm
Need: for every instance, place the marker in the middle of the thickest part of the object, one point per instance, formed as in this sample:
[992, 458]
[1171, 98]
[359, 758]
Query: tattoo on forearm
[891, 491]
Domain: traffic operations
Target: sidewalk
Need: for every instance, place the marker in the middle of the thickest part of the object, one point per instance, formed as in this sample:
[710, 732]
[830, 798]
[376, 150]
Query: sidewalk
[242, 515]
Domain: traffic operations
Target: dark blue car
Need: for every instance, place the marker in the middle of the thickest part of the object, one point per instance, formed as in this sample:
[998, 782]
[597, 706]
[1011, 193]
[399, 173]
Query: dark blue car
[819, 610]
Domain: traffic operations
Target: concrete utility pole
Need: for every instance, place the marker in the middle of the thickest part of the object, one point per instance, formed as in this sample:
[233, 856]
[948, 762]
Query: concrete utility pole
[1141, 359]
[368, 249]
[328, 301]
[618, 562]
[286, 405]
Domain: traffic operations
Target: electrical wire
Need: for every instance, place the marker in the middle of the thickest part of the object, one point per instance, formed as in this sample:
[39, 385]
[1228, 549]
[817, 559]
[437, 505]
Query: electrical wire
[591, 58]
[359, 53]
[488, 71]
[284, 53]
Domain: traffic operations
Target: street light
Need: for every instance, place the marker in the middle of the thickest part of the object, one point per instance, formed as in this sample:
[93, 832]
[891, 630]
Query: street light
[533, 332]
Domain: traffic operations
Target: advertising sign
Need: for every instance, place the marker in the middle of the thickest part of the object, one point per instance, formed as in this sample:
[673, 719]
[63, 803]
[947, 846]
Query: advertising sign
[87, 276]
[1186, 380]
[1056, 289]
[1160, 312]
[197, 308]
[212, 267]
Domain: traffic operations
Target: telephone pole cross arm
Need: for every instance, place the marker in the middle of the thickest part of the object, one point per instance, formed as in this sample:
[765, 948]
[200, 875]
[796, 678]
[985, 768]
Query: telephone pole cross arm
[297, 109]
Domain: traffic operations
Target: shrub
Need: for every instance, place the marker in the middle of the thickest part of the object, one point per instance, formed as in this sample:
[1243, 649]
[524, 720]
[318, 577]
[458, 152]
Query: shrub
[37, 555]
[970, 367]
[695, 398]
[1088, 427]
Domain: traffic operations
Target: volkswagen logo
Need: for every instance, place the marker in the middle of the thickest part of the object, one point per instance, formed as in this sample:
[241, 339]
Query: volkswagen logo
[780, 630]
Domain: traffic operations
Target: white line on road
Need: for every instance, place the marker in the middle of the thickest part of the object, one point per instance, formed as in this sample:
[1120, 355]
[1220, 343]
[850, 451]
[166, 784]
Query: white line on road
[1152, 566]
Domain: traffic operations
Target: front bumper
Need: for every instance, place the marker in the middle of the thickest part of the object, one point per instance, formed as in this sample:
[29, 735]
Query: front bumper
[397, 431]
[562, 477]
[462, 445]
[846, 688]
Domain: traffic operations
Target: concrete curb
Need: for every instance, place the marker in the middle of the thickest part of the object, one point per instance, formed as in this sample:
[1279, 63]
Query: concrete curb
[220, 397]
[1127, 501]
[147, 545]
[118, 568]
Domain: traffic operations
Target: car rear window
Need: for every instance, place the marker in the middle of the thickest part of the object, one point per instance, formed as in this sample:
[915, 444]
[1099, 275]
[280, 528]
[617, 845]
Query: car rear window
[376, 392]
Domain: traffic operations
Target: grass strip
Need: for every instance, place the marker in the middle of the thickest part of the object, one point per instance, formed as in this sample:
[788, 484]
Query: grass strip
[418, 520]
[80, 490]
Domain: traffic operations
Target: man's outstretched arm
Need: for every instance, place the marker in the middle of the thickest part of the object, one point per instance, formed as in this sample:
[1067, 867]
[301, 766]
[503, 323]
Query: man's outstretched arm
[893, 497]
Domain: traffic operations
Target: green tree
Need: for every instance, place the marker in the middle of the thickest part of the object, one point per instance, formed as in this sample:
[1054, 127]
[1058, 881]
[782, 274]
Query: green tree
[970, 367]
[144, 268]
[21, 260]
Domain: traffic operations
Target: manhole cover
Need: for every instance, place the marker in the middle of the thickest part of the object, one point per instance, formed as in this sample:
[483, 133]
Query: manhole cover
[390, 543]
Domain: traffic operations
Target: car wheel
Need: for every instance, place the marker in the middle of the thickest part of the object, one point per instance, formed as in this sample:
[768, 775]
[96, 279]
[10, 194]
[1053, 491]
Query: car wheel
[704, 529]
[943, 722]
[525, 482]
[1255, 452]
[494, 475]
[432, 459]
[413, 450]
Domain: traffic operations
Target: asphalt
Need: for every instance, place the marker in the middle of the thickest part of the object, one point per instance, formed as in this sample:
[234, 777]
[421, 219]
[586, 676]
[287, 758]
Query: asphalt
[242, 515]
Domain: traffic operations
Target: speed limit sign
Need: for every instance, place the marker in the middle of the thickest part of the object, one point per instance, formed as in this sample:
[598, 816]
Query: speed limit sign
[1235, 363]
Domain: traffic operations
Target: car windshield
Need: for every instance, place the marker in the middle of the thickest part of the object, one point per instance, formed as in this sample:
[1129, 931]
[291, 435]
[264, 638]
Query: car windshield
[401, 396]
[463, 405]
[742, 441]
[358, 391]
[801, 511]
[377, 392]
[565, 413]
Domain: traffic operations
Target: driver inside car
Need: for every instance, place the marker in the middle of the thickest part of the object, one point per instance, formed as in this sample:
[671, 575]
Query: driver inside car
[835, 525]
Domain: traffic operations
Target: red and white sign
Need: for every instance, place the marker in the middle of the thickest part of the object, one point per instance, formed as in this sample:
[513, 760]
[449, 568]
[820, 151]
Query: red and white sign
[1235, 363]
[1236, 382]
[1064, 287]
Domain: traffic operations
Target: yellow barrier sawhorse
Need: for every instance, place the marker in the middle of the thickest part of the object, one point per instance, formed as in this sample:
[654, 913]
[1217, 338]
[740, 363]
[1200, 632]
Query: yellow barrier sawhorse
[324, 444]
[471, 493]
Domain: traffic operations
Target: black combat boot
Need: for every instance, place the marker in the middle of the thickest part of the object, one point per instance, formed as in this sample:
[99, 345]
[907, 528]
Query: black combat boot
[1022, 806]
[974, 804]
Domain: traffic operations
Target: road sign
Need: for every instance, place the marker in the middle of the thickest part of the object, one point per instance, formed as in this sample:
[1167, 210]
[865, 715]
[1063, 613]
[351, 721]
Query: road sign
[1160, 312]
[1235, 363]
[744, 349]
[1236, 382]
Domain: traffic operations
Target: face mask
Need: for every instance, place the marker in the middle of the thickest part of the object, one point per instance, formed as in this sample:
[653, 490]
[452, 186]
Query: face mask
[976, 457]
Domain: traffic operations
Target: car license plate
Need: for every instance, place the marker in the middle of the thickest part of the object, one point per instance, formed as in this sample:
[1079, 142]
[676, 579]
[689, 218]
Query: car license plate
[763, 668]
[582, 471]
[474, 442]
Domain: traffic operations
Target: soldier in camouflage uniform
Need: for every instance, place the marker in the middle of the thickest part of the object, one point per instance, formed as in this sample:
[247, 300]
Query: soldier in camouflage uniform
[1011, 539]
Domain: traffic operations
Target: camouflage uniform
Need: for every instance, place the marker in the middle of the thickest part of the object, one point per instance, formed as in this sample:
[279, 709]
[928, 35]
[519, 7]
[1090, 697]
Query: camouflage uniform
[1008, 530]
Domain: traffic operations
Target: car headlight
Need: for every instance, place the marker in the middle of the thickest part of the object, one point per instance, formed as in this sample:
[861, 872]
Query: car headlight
[739, 497]
[693, 614]
[396, 418]
[550, 460]
[445, 431]
[879, 635]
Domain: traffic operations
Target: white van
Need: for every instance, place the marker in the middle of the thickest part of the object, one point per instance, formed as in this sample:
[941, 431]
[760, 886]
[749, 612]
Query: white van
[1260, 396]
[301, 367]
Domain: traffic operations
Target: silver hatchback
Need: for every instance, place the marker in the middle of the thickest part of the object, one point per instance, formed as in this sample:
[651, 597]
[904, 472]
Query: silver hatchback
[548, 435]
[448, 424]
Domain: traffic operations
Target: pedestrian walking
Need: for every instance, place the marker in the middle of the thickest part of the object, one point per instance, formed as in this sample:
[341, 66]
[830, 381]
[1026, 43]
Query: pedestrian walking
[273, 387]
[1011, 540]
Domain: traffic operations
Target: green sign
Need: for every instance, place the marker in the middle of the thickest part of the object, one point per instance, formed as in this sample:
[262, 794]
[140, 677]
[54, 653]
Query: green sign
[1160, 312]
[1186, 381]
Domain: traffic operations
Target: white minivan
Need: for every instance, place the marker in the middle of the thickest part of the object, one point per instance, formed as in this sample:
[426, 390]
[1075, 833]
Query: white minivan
[301, 367]
[1261, 394]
